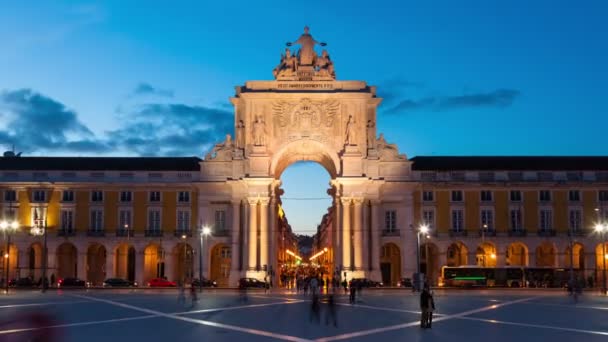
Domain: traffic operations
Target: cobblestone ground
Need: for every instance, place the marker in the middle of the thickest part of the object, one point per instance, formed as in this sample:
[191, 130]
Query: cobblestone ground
[379, 315]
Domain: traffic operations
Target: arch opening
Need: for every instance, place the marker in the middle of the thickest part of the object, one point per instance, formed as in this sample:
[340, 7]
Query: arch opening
[124, 262]
[429, 262]
[516, 254]
[154, 262]
[67, 261]
[220, 260]
[183, 262]
[96, 264]
[390, 264]
[457, 254]
[546, 255]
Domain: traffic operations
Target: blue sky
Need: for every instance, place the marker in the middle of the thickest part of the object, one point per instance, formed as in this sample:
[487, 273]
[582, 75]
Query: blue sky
[458, 77]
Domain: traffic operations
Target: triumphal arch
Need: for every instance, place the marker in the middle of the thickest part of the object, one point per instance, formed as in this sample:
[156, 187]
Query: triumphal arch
[306, 114]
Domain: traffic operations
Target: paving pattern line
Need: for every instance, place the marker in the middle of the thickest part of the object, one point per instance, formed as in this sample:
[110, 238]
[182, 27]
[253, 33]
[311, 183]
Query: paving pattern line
[228, 308]
[541, 326]
[417, 323]
[570, 306]
[68, 325]
[42, 304]
[199, 321]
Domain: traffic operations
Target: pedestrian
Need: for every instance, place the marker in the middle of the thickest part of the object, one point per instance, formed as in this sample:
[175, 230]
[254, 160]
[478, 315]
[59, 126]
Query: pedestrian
[352, 293]
[331, 310]
[53, 279]
[427, 305]
[193, 295]
[181, 295]
[345, 285]
[315, 309]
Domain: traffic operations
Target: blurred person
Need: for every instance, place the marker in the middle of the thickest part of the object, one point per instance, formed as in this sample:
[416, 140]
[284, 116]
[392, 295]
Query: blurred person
[331, 310]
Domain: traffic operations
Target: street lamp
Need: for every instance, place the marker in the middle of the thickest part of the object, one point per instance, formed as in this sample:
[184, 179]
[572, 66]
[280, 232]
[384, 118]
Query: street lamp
[38, 231]
[423, 229]
[7, 228]
[204, 231]
[602, 229]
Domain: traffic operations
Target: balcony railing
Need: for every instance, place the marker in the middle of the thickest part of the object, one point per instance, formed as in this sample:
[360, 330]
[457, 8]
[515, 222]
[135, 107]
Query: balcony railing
[546, 232]
[121, 232]
[517, 232]
[577, 232]
[66, 232]
[454, 233]
[386, 232]
[181, 232]
[153, 233]
[95, 232]
[487, 232]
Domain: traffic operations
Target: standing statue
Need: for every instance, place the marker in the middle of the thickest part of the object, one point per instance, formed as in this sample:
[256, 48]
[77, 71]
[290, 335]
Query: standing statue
[258, 132]
[350, 131]
[240, 135]
[307, 52]
[371, 134]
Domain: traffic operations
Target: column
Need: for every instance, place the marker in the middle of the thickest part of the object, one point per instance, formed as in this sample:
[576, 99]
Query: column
[139, 267]
[264, 232]
[358, 233]
[23, 264]
[376, 231]
[337, 234]
[253, 233]
[346, 237]
[109, 269]
[81, 266]
[170, 265]
[234, 250]
[272, 228]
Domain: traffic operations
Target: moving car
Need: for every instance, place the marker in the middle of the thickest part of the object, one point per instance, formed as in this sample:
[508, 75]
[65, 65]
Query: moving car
[118, 282]
[22, 282]
[71, 282]
[251, 282]
[205, 283]
[405, 282]
[160, 282]
[365, 282]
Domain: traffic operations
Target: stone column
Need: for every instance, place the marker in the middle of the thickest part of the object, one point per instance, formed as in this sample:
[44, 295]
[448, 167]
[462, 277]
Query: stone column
[272, 228]
[358, 233]
[264, 245]
[376, 231]
[253, 233]
[337, 234]
[170, 265]
[346, 234]
[234, 249]
[81, 266]
[139, 267]
[110, 273]
[23, 264]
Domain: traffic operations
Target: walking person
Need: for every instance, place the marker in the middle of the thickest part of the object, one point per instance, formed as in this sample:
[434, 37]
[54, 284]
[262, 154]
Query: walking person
[315, 308]
[427, 305]
[181, 295]
[193, 296]
[331, 310]
[353, 293]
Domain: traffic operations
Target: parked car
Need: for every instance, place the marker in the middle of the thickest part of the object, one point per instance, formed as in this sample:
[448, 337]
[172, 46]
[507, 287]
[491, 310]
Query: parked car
[205, 283]
[251, 282]
[365, 282]
[160, 282]
[71, 282]
[22, 282]
[118, 282]
[405, 282]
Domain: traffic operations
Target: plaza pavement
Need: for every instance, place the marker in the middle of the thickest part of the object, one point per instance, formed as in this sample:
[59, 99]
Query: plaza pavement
[381, 315]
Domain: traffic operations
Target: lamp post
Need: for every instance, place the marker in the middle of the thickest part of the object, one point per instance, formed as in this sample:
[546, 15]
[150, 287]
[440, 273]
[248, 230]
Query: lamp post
[424, 229]
[8, 227]
[205, 230]
[184, 236]
[602, 228]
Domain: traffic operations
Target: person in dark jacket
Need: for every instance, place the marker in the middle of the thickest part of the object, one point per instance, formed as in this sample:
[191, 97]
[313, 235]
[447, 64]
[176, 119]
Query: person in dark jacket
[427, 305]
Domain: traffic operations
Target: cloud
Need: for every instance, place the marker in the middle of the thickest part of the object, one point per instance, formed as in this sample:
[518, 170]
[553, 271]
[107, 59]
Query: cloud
[147, 89]
[34, 122]
[390, 90]
[498, 98]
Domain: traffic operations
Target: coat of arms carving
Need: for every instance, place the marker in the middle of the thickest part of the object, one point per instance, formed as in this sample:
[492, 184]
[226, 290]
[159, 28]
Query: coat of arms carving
[305, 114]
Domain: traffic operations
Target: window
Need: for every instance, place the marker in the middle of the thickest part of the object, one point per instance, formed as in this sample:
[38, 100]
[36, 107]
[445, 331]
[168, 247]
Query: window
[11, 196]
[457, 220]
[486, 196]
[154, 196]
[38, 217]
[67, 220]
[544, 195]
[546, 220]
[603, 195]
[183, 220]
[67, 196]
[390, 220]
[220, 220]
[515, 196]
[96, 223]
[456, 195]
[126, 196]
[428, 196]
[225, 252]
[124, 219]
[574, 195]
[154, 219]
[39, 195]
[428, 217]
[96, 196]
[183, 197]
[515, 220]
[487, 219]
[574, 220]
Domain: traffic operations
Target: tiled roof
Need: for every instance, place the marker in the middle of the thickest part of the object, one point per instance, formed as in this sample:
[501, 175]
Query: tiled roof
[100, 163]
[520, 163]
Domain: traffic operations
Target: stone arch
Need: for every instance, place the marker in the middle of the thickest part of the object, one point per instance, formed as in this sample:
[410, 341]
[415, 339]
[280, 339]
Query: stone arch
[220, 259]
[429, 262]
[125, 261]
[34, 264]
[517, 254]
[390, 264]
[457, 254]
[304, 150]
[67, 261]
[546, 255]
[486, 254]
[154, 262]
[96, 264]
[601, 259]
[183, 262]
[575, 256]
